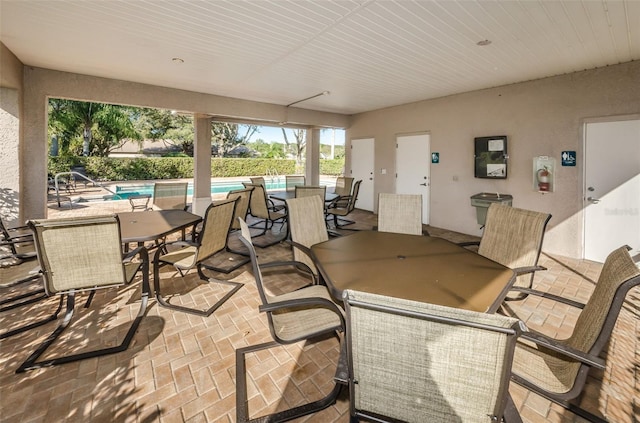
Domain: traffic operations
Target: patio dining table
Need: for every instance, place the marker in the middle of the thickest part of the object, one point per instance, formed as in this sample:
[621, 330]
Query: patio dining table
[288, 195]
[154, 224]
[414, 267]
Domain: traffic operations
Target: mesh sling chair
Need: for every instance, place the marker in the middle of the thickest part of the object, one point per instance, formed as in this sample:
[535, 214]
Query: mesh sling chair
[513, 237]
[343, 186]
[95, 262]
[15, 274]
[262, 208]
[418, 362]
[292, 181]
[18, 240]
[400, 213]
[342, 206]
[211, 239]
[303, 314]
[308, 190]
[170, 196]
[557, 369]
[307, 227]
[242, 197]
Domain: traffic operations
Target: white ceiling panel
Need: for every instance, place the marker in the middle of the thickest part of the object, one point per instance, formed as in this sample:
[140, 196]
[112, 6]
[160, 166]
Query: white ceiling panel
[369, 54]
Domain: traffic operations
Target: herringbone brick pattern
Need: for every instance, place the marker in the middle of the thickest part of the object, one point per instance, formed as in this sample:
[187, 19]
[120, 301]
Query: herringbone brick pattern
[182, 367]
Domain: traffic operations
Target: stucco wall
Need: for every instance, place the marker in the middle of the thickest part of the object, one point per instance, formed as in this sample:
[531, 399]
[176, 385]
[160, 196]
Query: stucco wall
[542, 117]
[10, 113]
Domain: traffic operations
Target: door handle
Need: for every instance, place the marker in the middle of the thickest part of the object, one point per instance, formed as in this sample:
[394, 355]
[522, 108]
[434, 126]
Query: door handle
[424, 185]
[593, 200]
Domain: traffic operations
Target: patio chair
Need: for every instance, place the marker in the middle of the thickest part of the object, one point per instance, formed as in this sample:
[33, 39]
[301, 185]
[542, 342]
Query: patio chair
[95, 262]
[417, 362]
[242, 197]
[557, 369]
[258, 180]
[186, 255]
[307, 227]
[262, 208]
[308, 190]
[343, 186]
[400, 213]
[15, 274]
[170, 196]
[292, 181]
[18, 240]
[513, 237]
[338, 208]
[300, 315]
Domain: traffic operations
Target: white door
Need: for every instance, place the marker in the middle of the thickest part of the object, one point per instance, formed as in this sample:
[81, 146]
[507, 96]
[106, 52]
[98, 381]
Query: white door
[413, 158]
[612, 188]
[362, 166]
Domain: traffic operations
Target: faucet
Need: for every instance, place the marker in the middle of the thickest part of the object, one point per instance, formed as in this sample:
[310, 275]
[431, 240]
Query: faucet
[498, 195]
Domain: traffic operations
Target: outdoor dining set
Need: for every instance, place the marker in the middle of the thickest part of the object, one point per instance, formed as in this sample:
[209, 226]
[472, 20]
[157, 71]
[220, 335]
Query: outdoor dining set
[424, 324]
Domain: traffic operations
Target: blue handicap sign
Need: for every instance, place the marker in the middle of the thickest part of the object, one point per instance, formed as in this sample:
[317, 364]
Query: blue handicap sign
[568, 158]
[435, 157]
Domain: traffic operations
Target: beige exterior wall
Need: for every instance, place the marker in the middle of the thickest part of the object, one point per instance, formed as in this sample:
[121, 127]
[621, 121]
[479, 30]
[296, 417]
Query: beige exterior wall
[542, 117]
[40, 84]
[10, 152]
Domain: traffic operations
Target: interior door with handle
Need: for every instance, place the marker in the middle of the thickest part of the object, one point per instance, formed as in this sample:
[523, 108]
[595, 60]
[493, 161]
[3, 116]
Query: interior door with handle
[413, 157]
[612, 188]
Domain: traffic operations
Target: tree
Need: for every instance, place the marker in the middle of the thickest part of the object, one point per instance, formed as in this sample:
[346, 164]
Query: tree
[300, 144]
[168, 127]
[226, 136]
[90, 128]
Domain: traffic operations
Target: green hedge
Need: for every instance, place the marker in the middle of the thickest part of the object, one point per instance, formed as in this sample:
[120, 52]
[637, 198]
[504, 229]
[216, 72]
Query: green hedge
[123, 169]
[332, 167]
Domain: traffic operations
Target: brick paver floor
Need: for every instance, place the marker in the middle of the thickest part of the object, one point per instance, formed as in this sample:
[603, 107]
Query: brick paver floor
[181, 367]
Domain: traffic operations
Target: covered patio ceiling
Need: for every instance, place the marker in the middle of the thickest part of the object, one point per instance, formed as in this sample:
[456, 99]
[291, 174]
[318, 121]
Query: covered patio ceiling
[368, 54]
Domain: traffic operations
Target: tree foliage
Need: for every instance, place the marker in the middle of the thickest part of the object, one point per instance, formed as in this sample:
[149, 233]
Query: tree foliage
[300, 136]
[168, 127]
[226, 136]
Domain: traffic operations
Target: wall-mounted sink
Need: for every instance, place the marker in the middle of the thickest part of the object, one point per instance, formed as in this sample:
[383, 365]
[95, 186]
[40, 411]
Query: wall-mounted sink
[483, 200]
[492, 196]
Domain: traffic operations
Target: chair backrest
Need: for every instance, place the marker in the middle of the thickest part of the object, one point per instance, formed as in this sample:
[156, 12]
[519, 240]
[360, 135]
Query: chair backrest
[245, 238]
[258, 206]
[308, 190]
[400, 213]
[258, 180]
[170, 195]
[354, 196]
[343, 186]
[292, 181]
[513, 237]
[242, 205]
[79, 253]
[215, 228]
[596, 321]
[306, 225]
[420, 362]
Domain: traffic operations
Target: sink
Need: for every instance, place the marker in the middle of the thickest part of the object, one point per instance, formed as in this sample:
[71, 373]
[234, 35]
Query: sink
[483, 200]
[492, 196]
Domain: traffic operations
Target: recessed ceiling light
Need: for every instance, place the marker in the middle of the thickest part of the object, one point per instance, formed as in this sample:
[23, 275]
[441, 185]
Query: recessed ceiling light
[483, 43]
[177, 60]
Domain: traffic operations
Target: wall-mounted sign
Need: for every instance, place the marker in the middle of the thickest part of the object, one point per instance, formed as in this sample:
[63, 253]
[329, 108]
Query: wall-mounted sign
[490, 157]
[568, 158]
[435, 157]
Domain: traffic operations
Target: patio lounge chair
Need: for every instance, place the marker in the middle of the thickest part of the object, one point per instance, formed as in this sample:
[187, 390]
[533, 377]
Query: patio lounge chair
[557, 369]
[299, 315]
[400, 213]
[343, 206]
[186, 255]
[95, 262]
[418, 362]
[513, 237]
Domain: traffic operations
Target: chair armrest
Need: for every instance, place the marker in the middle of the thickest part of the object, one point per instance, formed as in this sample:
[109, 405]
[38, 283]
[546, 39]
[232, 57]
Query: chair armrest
[297, 264]
[333, 234]
[549, 296]
[554, 345]
[303, 303]
[141, 251]
[527, 269]
[468, 243]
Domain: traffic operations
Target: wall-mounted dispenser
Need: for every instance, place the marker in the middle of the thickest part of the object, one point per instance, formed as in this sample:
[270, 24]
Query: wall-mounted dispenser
[544, 170]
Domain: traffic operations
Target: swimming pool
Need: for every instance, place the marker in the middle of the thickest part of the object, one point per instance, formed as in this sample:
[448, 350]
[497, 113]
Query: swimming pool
[123, 192]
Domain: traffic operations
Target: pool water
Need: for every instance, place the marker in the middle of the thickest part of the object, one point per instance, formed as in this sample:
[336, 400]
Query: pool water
[123, 192]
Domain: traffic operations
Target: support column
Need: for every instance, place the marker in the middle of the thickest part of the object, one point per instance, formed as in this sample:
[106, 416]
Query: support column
[201, 165]
[312, 163]
[10, 155]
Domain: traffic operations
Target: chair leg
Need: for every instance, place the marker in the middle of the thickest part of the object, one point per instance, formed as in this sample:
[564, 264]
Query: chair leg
[31, 363]
[242, 402]
[198, 312]
[30, 326]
